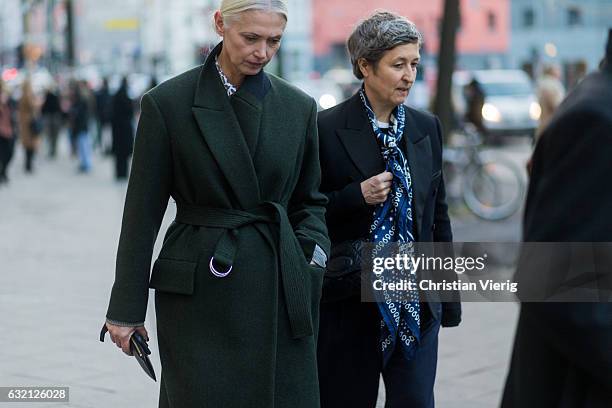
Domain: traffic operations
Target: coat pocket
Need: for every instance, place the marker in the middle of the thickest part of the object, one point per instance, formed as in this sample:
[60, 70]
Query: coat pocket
[173, 276]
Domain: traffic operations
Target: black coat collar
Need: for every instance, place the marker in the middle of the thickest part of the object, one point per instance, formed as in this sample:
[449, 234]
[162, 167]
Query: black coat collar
[359, 140]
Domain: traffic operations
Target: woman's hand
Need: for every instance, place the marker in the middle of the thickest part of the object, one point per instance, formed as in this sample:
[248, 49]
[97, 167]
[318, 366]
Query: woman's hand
[120, 335]
[376, 188]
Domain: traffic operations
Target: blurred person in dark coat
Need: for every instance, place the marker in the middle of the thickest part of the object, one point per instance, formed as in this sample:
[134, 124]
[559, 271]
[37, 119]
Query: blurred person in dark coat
[474, 99]
[7, 131]
[103, 114]
[562, 353]
[52, 115]
[80, 110]
[123, 130]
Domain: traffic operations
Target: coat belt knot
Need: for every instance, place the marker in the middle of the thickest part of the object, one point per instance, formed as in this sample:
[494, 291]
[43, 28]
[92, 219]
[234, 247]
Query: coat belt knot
[293, 269]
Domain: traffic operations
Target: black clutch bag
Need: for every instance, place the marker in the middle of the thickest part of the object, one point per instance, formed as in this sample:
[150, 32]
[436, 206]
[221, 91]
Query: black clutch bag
[140, 350]
[343, 274]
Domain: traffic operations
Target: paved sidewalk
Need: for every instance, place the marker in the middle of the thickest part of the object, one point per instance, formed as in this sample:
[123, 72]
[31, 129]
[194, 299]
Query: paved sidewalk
[58, 238]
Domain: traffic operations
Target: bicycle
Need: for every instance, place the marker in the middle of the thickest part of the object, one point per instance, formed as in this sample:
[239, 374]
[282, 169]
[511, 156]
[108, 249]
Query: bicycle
[492, 187]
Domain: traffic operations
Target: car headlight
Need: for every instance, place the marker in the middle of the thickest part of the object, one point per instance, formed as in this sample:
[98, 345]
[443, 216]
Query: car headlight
[490, 113]
[327, 101]
[535, 110]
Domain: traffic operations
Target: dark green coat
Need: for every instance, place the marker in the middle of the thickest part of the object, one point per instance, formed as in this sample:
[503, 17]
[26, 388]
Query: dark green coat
[246, 340]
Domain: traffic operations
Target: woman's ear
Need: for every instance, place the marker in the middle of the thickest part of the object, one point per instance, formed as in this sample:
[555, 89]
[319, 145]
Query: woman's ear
[219, 26]
[364, 67]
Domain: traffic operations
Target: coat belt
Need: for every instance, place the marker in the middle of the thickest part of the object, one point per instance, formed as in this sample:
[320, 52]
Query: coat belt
[292, 269]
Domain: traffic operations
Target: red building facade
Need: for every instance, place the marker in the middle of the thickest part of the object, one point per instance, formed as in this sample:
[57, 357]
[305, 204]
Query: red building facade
[484, 30]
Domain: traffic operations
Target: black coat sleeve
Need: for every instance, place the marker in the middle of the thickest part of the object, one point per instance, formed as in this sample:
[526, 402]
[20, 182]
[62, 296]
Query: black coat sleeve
[307, 205]
[146, 201]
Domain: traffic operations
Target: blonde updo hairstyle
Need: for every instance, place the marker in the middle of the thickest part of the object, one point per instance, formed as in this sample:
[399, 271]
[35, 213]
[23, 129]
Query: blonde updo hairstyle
[231, 9]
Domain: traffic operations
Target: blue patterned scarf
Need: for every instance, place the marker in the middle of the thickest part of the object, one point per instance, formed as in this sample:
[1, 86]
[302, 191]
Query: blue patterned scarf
[393, 224]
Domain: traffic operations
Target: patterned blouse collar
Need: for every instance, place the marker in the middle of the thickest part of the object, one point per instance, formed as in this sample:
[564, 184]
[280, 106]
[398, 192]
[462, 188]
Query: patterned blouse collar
[229, 88]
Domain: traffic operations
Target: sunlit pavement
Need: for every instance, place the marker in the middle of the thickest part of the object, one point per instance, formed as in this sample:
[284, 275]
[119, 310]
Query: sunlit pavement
[58, 239]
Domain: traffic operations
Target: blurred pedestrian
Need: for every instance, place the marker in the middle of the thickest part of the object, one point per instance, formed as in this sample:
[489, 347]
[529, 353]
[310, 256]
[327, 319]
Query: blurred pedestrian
[30, 124]
[474, 99]
[153, 82]
[123, 130]
[550, 93]
[52, 115]
[103, 115]
[381, 171]
[79, 125]
[7, 132]
[238, 280]
[73, 89]
[562, 353]
[580, 71]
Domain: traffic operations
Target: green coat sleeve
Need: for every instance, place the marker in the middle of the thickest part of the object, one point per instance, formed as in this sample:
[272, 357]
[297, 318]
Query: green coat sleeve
[307, 205]
[146, 201]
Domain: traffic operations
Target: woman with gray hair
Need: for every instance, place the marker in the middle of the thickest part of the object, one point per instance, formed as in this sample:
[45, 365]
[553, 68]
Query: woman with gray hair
[238, 279]
[381, 167]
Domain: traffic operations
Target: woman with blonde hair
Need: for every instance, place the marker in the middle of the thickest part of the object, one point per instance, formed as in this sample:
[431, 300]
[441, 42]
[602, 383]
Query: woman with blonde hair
[238, 280]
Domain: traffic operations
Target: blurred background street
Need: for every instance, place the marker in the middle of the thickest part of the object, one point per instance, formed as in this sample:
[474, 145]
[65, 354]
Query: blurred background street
[72, 75]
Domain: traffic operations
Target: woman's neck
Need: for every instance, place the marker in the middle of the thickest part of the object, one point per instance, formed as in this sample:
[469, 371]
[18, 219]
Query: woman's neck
[233, 75]
[381, 110]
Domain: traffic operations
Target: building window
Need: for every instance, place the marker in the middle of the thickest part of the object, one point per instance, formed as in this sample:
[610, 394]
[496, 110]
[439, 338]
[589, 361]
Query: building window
[528, 17]
[491, 21]
[574, 16]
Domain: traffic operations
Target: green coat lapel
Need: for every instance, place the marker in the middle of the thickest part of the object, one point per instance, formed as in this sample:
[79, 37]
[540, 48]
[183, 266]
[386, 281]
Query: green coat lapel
[247, 105]
[223, 132]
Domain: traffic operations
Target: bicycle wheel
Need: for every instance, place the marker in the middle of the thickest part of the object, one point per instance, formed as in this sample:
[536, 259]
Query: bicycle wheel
[494, 188]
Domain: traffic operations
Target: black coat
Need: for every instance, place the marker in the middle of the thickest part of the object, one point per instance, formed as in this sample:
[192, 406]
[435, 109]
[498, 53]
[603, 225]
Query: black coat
[103, 105]
[122, 124]
[51, 106]
[350, 154]
[563, 351]
[79, 116]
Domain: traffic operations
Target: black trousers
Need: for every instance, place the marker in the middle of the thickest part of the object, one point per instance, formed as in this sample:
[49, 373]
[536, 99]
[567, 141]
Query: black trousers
[6, 154]
[350, 360]
[121, 167]
[29, 159]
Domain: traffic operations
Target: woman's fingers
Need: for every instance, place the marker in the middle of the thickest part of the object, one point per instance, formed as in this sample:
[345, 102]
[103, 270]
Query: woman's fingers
[384, 186]
[125, 346]
[384, 193]
[121, 335]
[385, 176]
[143, 333]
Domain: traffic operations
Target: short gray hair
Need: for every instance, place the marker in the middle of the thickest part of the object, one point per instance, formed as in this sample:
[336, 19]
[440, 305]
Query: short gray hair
[231, 9]
[377, 34]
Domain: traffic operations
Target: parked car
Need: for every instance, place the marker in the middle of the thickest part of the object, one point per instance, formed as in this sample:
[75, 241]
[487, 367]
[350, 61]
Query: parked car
[510, 104]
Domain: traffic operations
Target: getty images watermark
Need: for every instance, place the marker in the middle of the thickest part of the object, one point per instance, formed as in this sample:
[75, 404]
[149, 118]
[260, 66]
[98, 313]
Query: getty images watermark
[489, 271]
[459, 265]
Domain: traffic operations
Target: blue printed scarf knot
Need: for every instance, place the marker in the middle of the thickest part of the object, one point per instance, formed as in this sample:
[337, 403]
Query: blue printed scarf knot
[392, 229]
